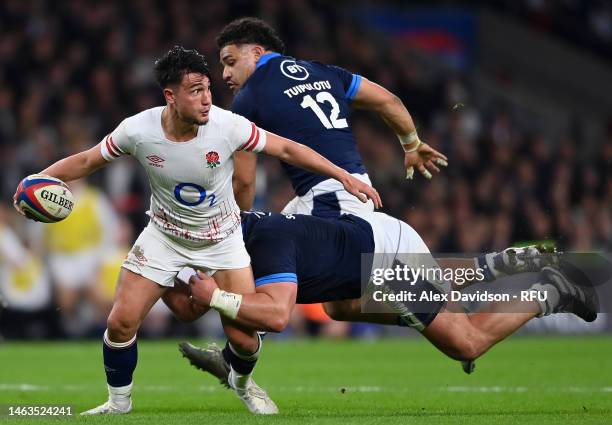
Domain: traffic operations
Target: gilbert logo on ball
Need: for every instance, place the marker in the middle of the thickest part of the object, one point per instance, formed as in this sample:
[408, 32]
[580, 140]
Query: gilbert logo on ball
[44, 198]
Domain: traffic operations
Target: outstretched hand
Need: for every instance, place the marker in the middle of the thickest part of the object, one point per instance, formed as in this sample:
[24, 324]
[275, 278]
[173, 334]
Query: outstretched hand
[362, 191]
[426, 159]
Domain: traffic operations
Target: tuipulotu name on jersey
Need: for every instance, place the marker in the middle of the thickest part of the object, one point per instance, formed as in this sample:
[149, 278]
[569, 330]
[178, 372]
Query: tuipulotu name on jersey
[305, 101]
[302, 88]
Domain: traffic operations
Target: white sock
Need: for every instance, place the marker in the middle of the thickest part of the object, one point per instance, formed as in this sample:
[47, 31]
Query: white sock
[552, 298]
[120, 396]
[119, 345]
[238, 381]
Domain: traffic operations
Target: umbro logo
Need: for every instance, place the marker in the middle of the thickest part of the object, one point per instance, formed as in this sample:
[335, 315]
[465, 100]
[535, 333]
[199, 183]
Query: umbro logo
[155, 161]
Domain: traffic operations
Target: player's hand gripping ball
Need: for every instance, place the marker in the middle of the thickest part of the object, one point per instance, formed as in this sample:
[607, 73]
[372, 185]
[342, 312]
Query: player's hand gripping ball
[43, 198]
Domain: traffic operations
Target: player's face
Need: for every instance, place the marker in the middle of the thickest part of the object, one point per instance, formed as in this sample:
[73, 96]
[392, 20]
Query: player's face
[192, 98]
[239, 63]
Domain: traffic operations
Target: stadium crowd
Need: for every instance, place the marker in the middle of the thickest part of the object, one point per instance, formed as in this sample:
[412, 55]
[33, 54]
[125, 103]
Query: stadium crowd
[70, 71]
[593, 19]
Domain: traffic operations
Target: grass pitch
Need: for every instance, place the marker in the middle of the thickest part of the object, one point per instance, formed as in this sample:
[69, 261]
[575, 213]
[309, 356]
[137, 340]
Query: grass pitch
[523, 380]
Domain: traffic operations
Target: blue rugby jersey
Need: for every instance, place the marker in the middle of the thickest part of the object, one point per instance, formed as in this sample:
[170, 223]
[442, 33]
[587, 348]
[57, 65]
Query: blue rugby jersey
[322, 256]
[307, 102]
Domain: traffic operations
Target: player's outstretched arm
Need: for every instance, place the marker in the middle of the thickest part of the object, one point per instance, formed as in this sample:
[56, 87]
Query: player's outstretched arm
[302, 156]
[71, 168]
[374, 97]
[266, 310]
[77, 166]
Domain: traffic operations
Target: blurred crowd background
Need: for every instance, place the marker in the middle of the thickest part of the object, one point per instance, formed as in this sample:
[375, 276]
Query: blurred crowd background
[520, 169]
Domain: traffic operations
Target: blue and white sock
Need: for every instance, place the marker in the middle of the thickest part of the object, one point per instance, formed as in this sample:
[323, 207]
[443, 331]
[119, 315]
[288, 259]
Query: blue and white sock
[242, 365]
[120, 360]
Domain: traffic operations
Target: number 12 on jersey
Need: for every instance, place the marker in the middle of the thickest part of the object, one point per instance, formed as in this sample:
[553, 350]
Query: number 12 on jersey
[325, 97]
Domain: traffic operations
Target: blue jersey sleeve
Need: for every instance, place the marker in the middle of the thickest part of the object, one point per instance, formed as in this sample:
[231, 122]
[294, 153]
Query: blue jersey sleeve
[273, 260]
[349, 80]
[243, 105]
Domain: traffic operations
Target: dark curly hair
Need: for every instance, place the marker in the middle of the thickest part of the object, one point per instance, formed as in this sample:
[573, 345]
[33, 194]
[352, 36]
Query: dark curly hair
[178, 61]
[250, 31]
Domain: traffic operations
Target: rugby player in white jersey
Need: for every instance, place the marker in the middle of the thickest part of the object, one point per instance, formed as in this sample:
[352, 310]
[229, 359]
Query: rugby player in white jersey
[187, 149]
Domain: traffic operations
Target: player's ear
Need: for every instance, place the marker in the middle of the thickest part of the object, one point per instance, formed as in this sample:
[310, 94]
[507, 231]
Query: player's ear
[258, 51]
[169, 96]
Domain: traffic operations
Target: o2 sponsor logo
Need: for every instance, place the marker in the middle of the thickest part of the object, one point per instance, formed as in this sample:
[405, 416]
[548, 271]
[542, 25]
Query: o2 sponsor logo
[292, 70]
[191, 195]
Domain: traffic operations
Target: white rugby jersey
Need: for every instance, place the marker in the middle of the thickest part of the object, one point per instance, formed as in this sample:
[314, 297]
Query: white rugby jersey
[192, 199]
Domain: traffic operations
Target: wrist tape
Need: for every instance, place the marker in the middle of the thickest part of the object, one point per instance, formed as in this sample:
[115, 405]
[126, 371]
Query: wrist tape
[409, 142]
[226, 303]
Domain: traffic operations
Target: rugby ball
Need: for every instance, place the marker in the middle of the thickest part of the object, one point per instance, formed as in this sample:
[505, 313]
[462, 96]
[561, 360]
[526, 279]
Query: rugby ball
[44, 198]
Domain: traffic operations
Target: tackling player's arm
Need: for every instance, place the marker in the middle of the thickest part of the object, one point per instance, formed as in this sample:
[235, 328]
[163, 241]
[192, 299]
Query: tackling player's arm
[302, 156]
[374, 97]
[268, 309]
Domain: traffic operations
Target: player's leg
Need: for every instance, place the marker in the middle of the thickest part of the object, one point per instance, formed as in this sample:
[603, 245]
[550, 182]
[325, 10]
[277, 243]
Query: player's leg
[351, 311]
[399, 241]
[231, 263]
[134, 297]
[466, 337]
[178, 300]
[508, 262]
[242, 350]
[458, 335]
[268, 308]
[150, 267]
[238, 281]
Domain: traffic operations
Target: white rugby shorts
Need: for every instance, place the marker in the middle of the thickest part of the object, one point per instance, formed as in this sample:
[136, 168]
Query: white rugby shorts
[397, 242]
[328, 199]
[158, 258]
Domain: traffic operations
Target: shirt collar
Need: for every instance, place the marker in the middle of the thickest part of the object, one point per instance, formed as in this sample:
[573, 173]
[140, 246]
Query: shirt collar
[263, 59]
